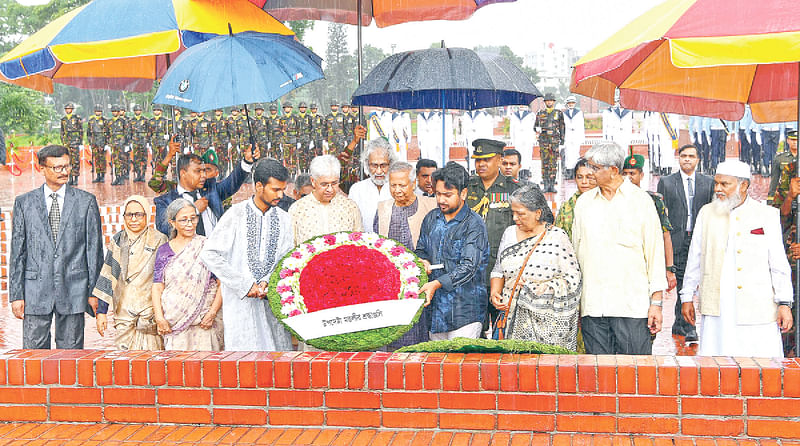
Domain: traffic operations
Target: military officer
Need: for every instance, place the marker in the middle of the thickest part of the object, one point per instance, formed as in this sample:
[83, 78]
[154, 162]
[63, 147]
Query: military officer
[72, 138]
[97, 134]
[159, 129]
[201, 134]
[334, 125]
[140, 137]
[780, 162]
[273, 134]
[178, 127]
[317, 130]
[348, 121]
[220, 139]
[549, 126]
[351, 120]
[303, 138]
[118, 132]
[290, 129]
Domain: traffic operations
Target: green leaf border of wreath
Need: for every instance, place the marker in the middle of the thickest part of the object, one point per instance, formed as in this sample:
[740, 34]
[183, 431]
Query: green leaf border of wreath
[355, 341]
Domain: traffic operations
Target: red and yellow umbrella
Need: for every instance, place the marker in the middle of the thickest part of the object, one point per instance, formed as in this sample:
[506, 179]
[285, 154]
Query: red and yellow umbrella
[701, 57]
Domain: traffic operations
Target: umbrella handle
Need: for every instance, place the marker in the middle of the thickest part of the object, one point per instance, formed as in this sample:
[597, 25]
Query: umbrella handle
[249, 129]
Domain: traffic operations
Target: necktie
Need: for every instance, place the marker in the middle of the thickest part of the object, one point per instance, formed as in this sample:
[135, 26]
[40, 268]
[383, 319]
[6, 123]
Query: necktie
[201, 229]
[55, 216]
[691, 202]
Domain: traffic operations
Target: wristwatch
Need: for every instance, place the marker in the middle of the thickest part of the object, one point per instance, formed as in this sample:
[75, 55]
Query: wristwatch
[788, 304]
[671, 269]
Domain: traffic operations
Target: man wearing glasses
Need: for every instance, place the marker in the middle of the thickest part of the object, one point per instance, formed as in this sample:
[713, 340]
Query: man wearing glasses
[325, 210]
[56, 256]
[376, 159]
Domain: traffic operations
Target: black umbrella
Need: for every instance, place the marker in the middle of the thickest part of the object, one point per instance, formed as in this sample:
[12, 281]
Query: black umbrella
[446, 78]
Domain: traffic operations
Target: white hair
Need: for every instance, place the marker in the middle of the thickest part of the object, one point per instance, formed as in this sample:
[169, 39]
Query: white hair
[607, 153]
[402, 166]
[373, 145]
[325, 166]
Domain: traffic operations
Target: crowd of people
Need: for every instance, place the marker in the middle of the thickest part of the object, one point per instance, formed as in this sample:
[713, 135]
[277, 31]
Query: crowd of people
[500, 264]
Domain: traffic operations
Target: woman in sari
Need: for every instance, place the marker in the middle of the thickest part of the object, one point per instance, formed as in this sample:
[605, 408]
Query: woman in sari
[127, 277]
[536, 279]
[584, 179]
[186, 296]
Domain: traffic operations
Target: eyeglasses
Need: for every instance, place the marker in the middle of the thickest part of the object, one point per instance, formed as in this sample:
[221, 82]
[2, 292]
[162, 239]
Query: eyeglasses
[595, 167]
[188, 221]
[331, 185]
[60, 169]
[382, 166]
[135, 215]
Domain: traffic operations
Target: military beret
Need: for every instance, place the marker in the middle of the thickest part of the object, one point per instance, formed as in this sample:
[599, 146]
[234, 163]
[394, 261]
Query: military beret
[549, 97]
[487, 148]
[273, 107]
[287, 105]
[98, 107]
[313, 105]
[345, 105]
[258, 106]
[302, 105]
[791, 134]
[210, 157]
[158, 107]
[69, 105]
[634, 162]
[137, 107]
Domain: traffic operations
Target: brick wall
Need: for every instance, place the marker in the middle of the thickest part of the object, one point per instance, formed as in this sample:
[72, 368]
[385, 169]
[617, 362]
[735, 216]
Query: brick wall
[661, 396]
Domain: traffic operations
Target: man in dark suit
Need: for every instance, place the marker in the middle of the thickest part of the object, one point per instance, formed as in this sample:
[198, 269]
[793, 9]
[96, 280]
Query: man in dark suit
[684, 192]
[56, 256]
[207, 194]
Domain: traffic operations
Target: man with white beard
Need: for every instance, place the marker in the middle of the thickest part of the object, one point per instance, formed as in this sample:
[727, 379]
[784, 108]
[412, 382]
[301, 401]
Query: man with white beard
[738, 269]
[376, 159]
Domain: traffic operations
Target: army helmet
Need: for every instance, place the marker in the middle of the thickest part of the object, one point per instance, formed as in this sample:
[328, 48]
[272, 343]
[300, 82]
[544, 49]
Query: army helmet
[157, 107]
[137, 107]
[287, 105]
[273, 107]
[549, 97]
[98, 107]
[258, 106]
[313, 106]
[115, 108]
[69, 105]
[302, 105]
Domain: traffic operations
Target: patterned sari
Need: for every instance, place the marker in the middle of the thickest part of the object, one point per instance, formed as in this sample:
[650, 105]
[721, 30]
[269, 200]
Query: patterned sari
[189, 291]
[545, 307]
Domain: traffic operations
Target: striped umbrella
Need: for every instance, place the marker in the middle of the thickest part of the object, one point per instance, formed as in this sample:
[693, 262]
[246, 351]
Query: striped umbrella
[123, 44]
[703, 58]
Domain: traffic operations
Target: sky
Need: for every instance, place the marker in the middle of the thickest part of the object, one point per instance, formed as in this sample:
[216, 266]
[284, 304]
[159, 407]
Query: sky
[523, 25]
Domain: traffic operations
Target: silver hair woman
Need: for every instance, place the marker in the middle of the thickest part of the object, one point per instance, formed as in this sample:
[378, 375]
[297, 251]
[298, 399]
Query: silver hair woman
[536, 280]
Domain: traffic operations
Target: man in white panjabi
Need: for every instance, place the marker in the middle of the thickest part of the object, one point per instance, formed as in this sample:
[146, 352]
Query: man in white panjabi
[246, 245]
[325, 210]
[738, 269]
[376, 159]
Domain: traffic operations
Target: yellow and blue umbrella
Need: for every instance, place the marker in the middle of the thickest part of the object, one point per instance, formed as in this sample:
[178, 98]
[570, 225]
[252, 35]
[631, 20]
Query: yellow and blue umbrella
[124, 44]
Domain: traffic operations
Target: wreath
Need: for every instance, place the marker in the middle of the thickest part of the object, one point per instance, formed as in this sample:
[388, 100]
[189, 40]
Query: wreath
[346, 269]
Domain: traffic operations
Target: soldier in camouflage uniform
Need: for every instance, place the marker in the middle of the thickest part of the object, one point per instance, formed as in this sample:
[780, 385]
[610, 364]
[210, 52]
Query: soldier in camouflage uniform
[785, 199]
[159, 135]
[72, 138]
[348, 121]
[290, 127]
[334, 128]
[351, 121]
[233, 131]
[140, 137]
[317, 130]
[584, 179]
[549, 128]
[259, 125]
[189, 129]
[220, 137]
[274, 133]
[201, 134]
[118, 131]
[97, 135]
[303, 138]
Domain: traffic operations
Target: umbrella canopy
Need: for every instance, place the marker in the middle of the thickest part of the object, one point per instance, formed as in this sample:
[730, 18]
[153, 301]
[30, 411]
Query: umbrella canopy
[385, 12]
[454, 78]
[701, 57]
[238, 69]
[125, 45]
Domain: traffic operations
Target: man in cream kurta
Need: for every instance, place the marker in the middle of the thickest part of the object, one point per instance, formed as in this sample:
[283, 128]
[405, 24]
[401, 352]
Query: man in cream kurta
[619, 244]
[246, 245]
[738, 269]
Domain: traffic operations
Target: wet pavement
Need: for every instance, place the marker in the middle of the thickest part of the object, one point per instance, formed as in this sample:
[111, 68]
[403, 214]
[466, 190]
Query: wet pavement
[110, 197]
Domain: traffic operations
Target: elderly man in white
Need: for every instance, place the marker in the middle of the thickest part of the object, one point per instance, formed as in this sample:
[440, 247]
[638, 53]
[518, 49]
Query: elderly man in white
[738, 269]
[376, 159]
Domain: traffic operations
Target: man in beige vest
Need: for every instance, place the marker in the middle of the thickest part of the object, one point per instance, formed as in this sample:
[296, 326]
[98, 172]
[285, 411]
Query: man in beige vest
[738, 269]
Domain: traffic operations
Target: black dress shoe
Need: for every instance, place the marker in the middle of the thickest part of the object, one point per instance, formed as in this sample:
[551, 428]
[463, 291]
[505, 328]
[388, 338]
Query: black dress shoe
[691, 336]
[117, 181]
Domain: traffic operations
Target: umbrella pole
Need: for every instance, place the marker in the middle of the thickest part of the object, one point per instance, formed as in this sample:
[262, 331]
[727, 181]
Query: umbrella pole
[444, 137]
[797, 235]
[250, 132]
[360, 77]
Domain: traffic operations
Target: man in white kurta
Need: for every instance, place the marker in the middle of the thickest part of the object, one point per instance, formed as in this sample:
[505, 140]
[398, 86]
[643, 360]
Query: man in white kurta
[574, 134]
[246, 245]
[738, 269]
[377, 158]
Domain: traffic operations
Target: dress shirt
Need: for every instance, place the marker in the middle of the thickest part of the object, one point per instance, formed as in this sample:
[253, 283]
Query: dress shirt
[620, 247]
[60, 194]
[689, 203]
[209, 219]
[367, 195]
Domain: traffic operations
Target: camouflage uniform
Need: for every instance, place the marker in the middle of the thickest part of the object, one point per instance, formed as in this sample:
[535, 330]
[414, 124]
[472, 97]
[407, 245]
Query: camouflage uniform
[780, 161]
[97, 134]
[350, 122]
[201, 135]
[260, 128]
[304, 121]
[551, 136]
[242, 133]
[317, 132]
[118, 129]
[661, 208]
[221, 138]
[566, 214]
[72, 138]
[787, 225]
[274, 134]
[140, 136]
[158, 128]
[334, 127]
[233, 131]
[290, 127]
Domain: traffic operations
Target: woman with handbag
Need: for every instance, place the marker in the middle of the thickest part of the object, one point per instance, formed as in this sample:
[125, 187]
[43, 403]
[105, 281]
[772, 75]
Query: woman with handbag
[536, 281]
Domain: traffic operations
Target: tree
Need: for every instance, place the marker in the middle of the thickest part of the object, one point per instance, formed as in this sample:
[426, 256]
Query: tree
[18, 21]
[509, 54]
[299, 27]
[23, 110]
[372, 57]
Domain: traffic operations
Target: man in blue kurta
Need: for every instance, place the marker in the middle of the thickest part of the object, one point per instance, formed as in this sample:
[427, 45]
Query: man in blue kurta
[454, 247]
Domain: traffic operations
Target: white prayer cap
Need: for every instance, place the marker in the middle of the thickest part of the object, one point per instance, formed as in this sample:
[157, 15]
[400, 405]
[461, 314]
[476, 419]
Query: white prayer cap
[734, 168]
[571, 98]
